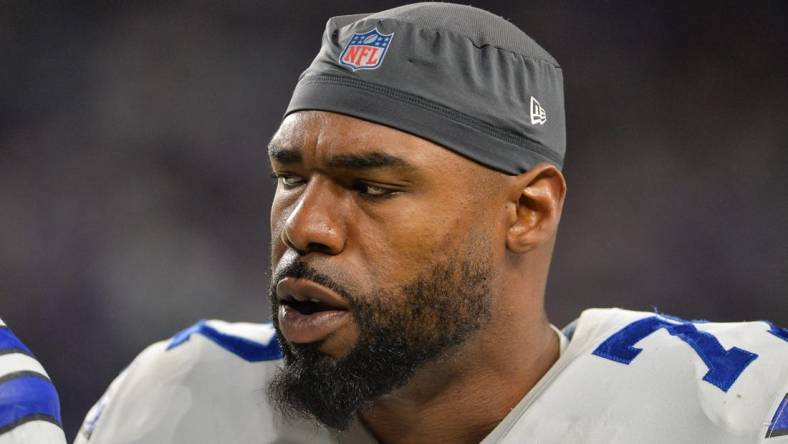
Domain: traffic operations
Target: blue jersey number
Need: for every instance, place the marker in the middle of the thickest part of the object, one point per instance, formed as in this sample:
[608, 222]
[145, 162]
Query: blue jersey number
[724, 366]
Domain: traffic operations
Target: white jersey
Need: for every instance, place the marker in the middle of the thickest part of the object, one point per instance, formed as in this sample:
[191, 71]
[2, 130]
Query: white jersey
[623, 377]
[29, 405]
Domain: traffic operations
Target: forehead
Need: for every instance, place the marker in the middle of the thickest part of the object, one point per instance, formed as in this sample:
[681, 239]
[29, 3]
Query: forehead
[320, 135]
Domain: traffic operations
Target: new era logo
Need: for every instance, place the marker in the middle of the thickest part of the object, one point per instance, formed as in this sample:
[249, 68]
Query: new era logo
[538, 114]
[366, 50]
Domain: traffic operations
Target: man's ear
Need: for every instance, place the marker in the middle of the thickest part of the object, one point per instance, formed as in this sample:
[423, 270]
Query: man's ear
[535, 203]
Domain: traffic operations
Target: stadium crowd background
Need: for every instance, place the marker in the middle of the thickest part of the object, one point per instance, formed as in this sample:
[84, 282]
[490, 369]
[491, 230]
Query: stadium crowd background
[134, 185]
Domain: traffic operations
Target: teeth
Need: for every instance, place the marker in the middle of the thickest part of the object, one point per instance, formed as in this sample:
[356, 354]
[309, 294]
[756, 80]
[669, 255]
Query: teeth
[314, 300]
[298, 298]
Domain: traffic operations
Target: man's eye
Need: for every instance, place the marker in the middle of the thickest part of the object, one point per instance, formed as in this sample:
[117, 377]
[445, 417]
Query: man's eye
[288, 180]
[368, 190]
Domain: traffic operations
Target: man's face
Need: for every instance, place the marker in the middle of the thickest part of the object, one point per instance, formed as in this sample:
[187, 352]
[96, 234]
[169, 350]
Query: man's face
[383, 247]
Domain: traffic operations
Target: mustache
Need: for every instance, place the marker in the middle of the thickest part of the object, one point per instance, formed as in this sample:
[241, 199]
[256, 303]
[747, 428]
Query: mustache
[298, 269]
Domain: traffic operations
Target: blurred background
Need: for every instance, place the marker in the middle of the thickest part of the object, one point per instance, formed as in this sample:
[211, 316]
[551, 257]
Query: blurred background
[134, 187]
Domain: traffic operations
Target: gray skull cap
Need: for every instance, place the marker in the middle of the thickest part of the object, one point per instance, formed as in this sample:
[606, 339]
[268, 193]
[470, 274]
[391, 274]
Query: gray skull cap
[455, 75]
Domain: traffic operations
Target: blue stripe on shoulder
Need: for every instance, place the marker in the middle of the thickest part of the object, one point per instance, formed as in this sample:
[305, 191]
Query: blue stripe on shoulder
[781, 333]
[27, 396]
[779, 424]
[245, 349]
[9, 342]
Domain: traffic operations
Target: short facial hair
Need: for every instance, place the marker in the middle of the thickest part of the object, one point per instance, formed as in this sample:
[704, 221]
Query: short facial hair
[400, 331]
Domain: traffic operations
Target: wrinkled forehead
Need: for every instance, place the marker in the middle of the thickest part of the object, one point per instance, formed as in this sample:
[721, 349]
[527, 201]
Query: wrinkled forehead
[307, 129]
[320, 135]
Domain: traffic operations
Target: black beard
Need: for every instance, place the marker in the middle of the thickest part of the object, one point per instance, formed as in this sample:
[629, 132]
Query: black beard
[399, 333]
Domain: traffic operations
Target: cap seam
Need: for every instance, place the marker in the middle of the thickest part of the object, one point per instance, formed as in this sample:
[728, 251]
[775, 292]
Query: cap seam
[448, 112]
[554, 64]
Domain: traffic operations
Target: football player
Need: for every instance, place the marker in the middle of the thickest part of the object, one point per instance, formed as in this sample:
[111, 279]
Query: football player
[29, 405]
[418, 199]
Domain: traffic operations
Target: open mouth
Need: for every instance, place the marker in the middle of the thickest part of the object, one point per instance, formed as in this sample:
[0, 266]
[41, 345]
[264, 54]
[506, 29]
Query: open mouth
[308, 311]
[307, 306]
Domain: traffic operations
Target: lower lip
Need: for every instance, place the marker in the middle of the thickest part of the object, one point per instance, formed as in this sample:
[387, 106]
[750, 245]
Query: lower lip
[305, 328]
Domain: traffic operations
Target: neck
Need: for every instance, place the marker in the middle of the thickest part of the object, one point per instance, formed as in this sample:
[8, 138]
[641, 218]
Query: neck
[461, 398]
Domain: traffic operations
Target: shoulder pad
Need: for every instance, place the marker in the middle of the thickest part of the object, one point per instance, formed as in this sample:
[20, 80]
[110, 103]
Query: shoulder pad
[202, 385]
[736, 373]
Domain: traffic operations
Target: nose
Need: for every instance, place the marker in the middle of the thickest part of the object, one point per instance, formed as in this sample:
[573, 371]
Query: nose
[315, 224]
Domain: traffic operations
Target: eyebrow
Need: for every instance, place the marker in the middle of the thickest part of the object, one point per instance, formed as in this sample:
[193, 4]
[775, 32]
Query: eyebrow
[284, 155]
[363, 161]
[360, 161]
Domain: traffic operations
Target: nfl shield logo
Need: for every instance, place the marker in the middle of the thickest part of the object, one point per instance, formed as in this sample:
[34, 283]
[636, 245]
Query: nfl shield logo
[366, 50]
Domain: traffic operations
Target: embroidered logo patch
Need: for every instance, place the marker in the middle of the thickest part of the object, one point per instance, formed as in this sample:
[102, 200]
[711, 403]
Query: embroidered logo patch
[366, 50]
